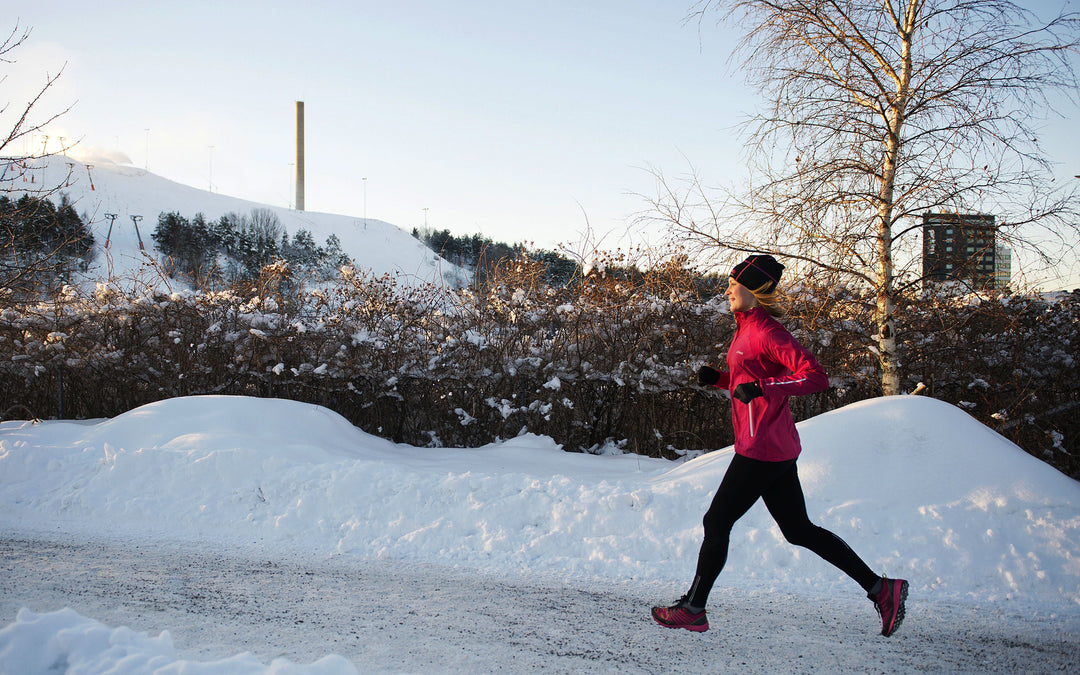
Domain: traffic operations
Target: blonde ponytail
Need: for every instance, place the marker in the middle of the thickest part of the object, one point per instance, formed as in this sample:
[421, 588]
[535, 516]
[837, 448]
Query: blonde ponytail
[770, 301]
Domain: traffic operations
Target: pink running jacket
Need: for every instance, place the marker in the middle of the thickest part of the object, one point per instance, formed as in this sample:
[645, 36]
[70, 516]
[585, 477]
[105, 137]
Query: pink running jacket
[764, 351]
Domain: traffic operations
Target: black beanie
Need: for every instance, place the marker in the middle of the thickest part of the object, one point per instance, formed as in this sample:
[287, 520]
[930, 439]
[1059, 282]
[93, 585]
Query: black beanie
[758, 270]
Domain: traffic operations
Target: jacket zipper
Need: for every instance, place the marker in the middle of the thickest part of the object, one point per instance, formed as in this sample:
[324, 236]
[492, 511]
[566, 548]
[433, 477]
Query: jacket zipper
[750, 405]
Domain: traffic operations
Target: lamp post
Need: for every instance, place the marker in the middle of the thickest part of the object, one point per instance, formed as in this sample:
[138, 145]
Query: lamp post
[292, 168]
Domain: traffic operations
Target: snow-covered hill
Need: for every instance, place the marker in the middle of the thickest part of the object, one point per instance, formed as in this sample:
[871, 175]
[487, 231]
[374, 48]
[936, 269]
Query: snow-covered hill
[107, 183]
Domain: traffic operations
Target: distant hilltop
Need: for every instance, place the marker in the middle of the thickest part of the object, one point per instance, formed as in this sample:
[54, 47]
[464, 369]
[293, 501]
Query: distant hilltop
[99, 182]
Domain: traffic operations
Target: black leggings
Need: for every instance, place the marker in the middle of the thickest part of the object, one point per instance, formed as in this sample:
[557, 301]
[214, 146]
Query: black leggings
[777, 483]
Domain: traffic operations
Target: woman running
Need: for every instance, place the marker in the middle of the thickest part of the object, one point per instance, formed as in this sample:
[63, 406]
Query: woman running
[766, 365]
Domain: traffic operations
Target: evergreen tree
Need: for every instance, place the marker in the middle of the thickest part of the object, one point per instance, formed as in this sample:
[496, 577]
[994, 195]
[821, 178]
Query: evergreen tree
[170, 233]
[333, 255]
[41, 244]
[302, 251]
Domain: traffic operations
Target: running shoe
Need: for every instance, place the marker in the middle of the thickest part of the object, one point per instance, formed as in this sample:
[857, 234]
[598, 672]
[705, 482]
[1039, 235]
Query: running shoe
[679, 616]
[889, 603]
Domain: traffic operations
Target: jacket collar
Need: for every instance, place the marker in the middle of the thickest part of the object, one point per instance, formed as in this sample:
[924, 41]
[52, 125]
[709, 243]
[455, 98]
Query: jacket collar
[755, 315]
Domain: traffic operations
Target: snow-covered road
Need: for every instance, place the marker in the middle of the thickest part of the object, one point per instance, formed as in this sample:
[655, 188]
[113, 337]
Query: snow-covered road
[389, 616]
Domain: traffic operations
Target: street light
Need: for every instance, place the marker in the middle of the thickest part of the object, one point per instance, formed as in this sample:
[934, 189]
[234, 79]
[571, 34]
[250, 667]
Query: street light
[292, 176]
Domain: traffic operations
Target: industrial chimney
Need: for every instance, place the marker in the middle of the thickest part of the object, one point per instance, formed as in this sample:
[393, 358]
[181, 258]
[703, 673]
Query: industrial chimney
[299, 155]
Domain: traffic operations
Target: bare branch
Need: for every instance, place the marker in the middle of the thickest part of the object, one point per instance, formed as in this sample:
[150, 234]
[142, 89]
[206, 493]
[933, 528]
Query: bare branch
[35, 250]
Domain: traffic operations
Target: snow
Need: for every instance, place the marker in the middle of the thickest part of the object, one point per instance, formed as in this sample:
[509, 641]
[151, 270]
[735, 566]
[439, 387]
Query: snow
[85, 645]
[100, 183]
[918, 487]
[915, 485]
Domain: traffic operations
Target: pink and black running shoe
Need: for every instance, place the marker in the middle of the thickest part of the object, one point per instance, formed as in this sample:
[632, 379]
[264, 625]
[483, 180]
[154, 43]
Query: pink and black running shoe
[889, 603]
[679, 616]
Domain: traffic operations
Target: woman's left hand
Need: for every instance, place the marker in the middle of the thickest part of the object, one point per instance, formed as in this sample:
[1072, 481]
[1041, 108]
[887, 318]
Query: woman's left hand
[747, 391]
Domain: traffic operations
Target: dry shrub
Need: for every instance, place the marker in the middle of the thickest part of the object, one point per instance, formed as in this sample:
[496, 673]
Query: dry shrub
[608, 361]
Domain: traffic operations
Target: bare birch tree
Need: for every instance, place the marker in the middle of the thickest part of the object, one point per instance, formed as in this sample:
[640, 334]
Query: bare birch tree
[877, 111]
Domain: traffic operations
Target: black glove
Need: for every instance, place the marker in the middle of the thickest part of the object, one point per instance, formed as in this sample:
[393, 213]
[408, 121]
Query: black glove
[708, 376]
[747, 391]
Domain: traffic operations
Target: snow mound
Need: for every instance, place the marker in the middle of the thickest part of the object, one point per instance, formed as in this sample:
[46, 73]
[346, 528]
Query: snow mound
[916, 486]
[66, 642]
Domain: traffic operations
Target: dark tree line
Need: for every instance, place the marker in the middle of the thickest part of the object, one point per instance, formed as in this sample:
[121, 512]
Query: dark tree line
[485, 256]
[41, 244]
[235, 247]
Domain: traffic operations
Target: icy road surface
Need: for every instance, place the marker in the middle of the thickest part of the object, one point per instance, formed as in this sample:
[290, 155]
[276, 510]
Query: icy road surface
[389, 616]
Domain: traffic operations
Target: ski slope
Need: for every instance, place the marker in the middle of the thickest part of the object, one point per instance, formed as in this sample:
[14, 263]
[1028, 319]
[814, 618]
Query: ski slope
[106, 183]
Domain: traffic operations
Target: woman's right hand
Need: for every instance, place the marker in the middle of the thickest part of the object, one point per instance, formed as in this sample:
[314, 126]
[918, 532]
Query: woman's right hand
[708, 376]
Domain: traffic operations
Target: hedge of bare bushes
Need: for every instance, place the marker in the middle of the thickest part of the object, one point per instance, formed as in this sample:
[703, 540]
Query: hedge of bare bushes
[597, 364]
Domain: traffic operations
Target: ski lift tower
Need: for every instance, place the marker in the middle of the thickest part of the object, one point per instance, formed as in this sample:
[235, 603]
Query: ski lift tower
[111, 217]
[136, 219]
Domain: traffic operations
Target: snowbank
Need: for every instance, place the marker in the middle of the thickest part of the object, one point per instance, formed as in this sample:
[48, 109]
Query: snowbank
[65, 642]
[916, 486]
[919, 488]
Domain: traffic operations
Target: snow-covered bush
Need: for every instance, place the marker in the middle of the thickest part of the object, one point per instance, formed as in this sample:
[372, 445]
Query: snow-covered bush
[608, 360]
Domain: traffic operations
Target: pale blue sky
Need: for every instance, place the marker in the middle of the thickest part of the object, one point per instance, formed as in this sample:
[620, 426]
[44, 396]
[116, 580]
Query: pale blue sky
[520, 120]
